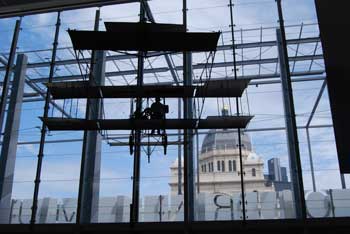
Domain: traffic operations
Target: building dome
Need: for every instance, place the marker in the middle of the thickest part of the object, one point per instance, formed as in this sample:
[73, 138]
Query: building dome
[225, 139]
[175, 164]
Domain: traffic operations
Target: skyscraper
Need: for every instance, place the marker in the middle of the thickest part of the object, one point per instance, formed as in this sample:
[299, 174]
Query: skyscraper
[284, 174]
[274, 167]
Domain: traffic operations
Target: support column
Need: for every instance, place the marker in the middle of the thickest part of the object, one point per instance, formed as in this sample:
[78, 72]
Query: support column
[7, 77]
[9, 145]
[188, 135]
[134, 208]
[189, 178]
[90, 185]
[292, 133]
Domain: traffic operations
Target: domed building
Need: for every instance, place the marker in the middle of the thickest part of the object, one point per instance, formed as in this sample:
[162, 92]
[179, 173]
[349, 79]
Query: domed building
[219, 165]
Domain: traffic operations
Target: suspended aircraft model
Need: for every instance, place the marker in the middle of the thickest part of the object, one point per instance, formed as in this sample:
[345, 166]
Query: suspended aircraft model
[157, 111]
[148, 40]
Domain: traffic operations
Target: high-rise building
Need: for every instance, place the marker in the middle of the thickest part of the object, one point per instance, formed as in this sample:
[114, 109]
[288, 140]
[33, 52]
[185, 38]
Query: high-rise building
[277, 175]
[274, 167]
[284, 174]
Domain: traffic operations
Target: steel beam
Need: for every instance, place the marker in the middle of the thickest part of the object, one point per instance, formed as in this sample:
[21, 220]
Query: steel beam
[111, 137]
[298, 45]
[9, 146]
[254, 83]
[219, 48]
[40, 92]
[318, 99]
[167, 57]
[43, 95]
[199, 66]
[290, 117]
[258, 80]
[311, 160]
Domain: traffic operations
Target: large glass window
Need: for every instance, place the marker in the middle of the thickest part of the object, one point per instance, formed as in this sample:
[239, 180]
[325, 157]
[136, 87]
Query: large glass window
[258, 160]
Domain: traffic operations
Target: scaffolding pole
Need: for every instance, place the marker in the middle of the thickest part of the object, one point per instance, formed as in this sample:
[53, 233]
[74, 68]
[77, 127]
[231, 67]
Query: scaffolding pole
[134, 208]
[242, 173]
[43, 127]
[179, 153]
[188, 136]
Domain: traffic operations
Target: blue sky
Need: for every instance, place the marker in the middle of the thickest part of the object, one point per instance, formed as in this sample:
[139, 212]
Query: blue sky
[62, 161]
